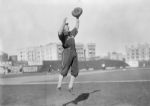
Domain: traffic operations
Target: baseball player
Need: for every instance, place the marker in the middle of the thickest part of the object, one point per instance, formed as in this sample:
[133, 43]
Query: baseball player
[69, 55]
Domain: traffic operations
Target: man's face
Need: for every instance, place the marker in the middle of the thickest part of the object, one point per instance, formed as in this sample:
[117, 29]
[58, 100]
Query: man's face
[66, 28]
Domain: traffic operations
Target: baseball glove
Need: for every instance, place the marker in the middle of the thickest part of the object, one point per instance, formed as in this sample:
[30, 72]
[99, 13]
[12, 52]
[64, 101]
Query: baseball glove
[77, 12]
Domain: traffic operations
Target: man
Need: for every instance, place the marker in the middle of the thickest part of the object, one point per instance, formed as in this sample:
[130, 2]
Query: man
[103, 66]
[69, 55]
[21, 68]
[50, 68]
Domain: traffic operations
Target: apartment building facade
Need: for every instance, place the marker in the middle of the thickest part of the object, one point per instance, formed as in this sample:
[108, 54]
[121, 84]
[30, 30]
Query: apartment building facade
[136, 53]
[52, 51]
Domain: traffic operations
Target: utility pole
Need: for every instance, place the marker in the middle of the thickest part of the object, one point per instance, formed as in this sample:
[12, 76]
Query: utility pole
[84, 55]
[85, 59]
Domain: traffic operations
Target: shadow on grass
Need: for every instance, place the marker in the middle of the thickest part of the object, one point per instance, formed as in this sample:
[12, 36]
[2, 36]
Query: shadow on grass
[81, 97]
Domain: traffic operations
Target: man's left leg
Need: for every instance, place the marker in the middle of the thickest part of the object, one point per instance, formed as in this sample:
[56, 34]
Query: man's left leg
[66, 62]
[74, 72]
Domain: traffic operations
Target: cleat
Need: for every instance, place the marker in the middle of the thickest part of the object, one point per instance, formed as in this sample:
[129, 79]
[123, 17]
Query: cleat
[70, 90]
[59, 88]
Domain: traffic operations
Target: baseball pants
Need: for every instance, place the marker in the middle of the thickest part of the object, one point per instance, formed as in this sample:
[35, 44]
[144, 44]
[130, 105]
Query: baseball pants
[69, 60]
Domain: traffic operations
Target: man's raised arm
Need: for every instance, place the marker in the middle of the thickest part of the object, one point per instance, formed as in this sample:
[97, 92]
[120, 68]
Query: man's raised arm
[77, 23]
[75, 29]
[62, 26]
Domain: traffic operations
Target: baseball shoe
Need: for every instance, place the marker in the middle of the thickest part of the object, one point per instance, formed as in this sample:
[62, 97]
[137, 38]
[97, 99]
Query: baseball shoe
[59, 88]
[70, 90]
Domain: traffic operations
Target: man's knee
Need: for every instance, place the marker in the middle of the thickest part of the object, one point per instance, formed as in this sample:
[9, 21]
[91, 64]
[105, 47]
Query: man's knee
[74, 73]
[64, 71]
[64, 74]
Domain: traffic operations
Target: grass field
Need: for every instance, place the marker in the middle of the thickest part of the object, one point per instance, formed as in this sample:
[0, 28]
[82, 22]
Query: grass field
[116, 88]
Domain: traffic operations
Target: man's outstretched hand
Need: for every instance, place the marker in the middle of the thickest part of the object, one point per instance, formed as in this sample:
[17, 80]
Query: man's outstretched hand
[65, 19]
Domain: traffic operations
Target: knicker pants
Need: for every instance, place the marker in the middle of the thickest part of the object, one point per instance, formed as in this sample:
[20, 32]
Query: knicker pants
[69, 60]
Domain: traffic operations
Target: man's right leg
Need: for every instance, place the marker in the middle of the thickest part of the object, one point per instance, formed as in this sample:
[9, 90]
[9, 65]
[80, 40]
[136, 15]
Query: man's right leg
[66, 62]
[74, 72]
[60, 81]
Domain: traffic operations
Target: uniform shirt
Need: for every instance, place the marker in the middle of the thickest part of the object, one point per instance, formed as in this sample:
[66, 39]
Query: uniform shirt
[67, 39]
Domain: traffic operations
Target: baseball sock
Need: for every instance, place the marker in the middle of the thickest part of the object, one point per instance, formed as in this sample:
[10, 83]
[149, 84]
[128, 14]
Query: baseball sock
[71, 82]
[60, 81]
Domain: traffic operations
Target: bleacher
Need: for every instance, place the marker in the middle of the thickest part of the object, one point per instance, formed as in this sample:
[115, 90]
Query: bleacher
[56, 65]
[144, 63]
[95, 64]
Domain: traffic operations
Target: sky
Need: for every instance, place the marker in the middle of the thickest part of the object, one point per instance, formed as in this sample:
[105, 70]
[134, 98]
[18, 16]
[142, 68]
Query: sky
[111, 24]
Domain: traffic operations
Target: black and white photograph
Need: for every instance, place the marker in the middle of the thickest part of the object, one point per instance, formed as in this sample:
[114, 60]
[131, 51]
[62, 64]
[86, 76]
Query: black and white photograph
[74, 53]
